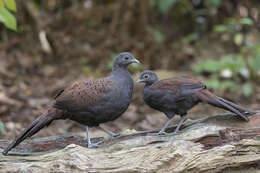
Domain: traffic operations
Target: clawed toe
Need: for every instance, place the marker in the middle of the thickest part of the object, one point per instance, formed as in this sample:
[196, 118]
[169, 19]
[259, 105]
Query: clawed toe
[171, 134]
[156, 134]
[162, 134]
[94, 145]
[115, 135]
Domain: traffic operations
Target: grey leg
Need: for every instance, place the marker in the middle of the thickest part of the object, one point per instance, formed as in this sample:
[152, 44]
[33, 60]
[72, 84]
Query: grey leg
[162, 131]
[88, 138]
[108, 132]
[178, 126]
[90, 145]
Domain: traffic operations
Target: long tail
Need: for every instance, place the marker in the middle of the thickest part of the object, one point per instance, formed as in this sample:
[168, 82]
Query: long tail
[44, 120]
[212, 99]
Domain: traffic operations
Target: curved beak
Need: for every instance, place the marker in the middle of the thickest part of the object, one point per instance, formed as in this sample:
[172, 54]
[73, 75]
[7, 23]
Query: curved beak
[139, 80]
[135, 61]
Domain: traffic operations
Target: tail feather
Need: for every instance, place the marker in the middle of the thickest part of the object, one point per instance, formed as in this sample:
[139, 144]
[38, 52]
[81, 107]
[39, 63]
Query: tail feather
[240, 108]
[42, 121]
[210, 98]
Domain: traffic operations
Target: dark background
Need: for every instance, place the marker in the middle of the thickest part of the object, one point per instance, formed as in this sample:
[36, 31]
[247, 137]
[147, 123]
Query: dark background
[59, 42]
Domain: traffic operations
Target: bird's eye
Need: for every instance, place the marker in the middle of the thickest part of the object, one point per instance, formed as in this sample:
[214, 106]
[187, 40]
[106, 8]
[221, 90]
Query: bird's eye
[146, 76]
[127, 58]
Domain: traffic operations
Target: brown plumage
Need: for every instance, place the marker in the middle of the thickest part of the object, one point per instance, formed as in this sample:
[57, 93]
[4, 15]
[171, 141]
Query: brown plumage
[178, 95]
[90, 102]
[77, 96]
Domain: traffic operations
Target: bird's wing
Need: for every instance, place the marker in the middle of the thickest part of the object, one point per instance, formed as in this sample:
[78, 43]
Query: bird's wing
[179, 86]
[82, 95]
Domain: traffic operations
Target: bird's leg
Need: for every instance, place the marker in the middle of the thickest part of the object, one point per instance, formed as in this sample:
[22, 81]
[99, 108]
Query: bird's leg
[91, 145]
[112, 134]
[178, 126]
[162, 131]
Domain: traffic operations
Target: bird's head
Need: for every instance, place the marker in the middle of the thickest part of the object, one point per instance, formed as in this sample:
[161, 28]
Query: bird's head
[148, 77]
[124, 59]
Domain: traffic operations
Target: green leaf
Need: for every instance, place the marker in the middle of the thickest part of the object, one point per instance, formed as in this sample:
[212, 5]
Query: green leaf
[213, 83]
[208, 66]
[158, 35]
[2, 4]
[246, 21]
[212, 3]
[11, 5]
[221, 28]
[111, 61]
[191, 37]
[247, 89]
[232, 86]
[8, 19]
[2, 127]
[86, 69]
[238, 39]
[166, 5]
[256, 63]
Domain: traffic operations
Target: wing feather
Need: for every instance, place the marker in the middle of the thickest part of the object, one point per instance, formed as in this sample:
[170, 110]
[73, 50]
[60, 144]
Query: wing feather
[82, 95]
[179, 86]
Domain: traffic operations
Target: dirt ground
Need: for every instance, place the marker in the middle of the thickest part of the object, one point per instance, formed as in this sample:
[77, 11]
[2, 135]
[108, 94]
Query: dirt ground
[22, 103]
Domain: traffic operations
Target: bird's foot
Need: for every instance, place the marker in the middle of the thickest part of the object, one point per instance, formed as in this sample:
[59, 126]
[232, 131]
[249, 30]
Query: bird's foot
[157, 134]
[113, 135]
[162, 134]
[94, 145]
[171, 134]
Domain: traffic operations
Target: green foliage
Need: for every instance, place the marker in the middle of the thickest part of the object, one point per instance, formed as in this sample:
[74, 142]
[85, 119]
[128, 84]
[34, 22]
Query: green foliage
[2, 127]
[191, 37]
[10, 4]
[255, 57]
[158, 36]
[227, 62]
[163, 6]
[233, 25]
[215, 83]
[239, 65]
[233, 28]
[242, 65]
[110, 63]
[247, 89]
[212, 3]
[86, 70]
[6, 17]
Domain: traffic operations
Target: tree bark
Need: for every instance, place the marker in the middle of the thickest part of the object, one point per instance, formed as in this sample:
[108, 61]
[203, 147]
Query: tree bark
[221, 143]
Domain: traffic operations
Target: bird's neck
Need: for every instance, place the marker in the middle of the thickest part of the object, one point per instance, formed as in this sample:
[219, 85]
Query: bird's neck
[149, 84]
[120, 71]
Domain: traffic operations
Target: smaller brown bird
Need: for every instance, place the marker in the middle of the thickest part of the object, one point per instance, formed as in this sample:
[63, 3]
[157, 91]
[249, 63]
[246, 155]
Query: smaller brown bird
[178, 95]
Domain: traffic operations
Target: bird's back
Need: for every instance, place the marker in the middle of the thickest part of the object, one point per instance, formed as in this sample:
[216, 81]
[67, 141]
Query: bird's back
[172, 95]
[96, 101]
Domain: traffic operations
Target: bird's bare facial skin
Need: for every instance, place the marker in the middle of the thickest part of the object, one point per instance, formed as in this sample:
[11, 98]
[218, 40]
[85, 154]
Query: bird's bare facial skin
[146, 77]
[143, 78]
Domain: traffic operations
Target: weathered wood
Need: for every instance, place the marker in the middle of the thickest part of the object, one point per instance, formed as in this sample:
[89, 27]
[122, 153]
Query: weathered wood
[221, 143]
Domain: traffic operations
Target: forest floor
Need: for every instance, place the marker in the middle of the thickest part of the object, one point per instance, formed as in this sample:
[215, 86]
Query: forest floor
[31, 94]
[31, 74]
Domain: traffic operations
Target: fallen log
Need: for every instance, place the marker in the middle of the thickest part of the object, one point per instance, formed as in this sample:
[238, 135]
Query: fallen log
[220, 143]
